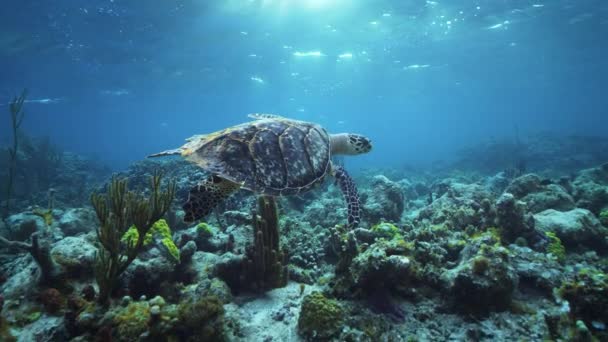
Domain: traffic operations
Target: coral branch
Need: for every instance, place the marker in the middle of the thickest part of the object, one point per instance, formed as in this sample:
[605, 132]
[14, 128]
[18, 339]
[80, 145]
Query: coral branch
[17, 114]
[117, 211]
[40, 251]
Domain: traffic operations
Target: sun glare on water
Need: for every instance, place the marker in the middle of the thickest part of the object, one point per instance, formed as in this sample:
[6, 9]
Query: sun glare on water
[283, 6]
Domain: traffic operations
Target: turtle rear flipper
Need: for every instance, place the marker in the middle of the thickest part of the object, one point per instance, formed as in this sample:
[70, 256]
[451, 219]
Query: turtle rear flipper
[351, 196]
[206, 195]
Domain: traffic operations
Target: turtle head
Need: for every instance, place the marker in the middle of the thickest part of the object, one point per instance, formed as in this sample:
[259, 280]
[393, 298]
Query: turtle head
[350, 143]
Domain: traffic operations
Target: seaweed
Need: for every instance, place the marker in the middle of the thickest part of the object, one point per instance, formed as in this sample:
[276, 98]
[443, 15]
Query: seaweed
[117, 211]
[17, 114]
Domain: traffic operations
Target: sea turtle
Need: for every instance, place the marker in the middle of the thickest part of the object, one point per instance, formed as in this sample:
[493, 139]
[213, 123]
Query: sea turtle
[271, 155]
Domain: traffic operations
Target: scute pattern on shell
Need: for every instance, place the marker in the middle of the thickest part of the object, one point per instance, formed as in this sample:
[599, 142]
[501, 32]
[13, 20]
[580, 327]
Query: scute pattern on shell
[270, 156]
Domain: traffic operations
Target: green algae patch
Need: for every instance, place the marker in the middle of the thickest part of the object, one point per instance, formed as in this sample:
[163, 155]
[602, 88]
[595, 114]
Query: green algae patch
[555, 247]
[604, 217]
[204, 230]
[160, 229]
[320, 318]
[387, 230]
[132, 321]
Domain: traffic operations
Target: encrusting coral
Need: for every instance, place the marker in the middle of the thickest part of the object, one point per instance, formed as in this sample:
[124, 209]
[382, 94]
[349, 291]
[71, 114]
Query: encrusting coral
[321, 318]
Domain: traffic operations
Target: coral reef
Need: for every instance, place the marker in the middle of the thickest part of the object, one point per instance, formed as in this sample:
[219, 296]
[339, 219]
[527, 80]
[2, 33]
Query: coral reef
[439, 255]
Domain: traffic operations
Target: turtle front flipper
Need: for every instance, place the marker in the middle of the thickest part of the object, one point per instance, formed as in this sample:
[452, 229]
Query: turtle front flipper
[206, 195]
[351, 196]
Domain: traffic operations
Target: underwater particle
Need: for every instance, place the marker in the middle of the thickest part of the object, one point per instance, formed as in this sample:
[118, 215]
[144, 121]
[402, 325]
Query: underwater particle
[416, 66]
[499, 25]
[257, 79]
[320, 317]
[308, 54]
[346, 55]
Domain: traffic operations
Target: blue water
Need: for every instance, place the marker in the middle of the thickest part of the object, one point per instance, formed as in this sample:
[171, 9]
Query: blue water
[122, 79]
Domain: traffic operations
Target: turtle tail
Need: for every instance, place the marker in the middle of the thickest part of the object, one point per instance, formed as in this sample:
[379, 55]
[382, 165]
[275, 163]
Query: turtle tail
[351, 196]
[206, 195]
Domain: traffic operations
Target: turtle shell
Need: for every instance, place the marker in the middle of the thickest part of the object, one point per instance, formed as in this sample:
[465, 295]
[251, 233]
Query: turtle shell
[269, 156]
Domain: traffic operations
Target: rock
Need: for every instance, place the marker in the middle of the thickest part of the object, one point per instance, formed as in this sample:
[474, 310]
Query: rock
[20, 271]
[512, 218]
[551, 197]
[23, 225]
[328, 211]
[385, 200]
[497, 183]
[458, 206]
[524, 185]
[591, 189]
[187, 251]
[539, 196]
[78, 221]
[45, 329]
[576, 228]
[535, 270]
[145, 276]
[483, 283]
[75, 254]
[229, 268]
[409, 189]
[374, 266]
